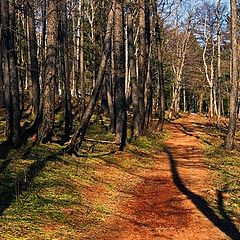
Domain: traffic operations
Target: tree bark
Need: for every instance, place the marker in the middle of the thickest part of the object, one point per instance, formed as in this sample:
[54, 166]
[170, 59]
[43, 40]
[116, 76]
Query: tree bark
[229, 144]
[64, 72]
[219, 60]
[2, 104]
[141, 62]
[49, 76]
[11, 84]
[133, 76]
[119, 78]
[161, 91]
[34, 71]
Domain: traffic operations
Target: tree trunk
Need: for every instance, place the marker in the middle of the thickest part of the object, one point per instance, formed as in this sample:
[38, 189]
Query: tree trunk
[79, 135]
[234, 89]
[133, 76]
[148, 88]
[81, 64]
[200, 103]
[161, 90]
[11, 84]
[119, 78]
[141, 62]
[64, 73]
[219, 74]
[2, 104]
[49, 77]
[34, 67]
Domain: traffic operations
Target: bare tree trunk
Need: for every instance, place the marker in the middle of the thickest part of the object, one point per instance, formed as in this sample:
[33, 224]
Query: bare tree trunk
[184, 99]
[178, 67]
[74, 70]
[148, 88]
[11, 90]
[43, 38]
[119, 78]
[210, 78]
[81, 63]
[33, 48]
[49, 81]
[200, 103]
[141, 62]
[161, 91]
[149, 92]
[109, 86]
[219, 75]
[2, 104]
[234, 90]
[133, 76]
[64, 73]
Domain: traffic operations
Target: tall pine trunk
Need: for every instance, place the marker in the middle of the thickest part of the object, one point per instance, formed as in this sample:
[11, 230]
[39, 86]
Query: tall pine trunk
[119, 78]
[161, 91]
[64, 71]
[142, 62]
[49, 75]
[34, 71]
[133, 76]
[11, 84]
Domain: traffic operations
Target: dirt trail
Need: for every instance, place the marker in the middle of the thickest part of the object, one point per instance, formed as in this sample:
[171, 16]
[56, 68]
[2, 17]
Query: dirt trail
[171, 202]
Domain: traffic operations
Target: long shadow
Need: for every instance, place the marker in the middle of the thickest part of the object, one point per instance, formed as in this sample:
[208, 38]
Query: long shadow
[225, 223]
[184, 130]
[14, 186]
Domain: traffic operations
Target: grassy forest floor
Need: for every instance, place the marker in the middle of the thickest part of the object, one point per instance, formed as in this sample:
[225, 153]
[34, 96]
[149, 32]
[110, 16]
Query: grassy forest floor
[180, 184]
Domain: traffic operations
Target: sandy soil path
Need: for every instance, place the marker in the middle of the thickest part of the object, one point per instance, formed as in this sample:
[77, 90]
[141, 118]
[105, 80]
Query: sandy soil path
[171, 202]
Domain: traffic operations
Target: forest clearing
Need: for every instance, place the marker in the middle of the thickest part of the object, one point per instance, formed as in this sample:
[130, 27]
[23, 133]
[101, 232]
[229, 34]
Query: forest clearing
[119, 119]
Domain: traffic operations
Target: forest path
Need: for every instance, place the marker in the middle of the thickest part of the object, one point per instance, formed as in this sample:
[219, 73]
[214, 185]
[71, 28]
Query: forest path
[171, 201]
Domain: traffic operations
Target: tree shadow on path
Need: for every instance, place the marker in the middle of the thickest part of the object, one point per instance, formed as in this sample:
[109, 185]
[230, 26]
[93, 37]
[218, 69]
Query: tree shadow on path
[225, 223]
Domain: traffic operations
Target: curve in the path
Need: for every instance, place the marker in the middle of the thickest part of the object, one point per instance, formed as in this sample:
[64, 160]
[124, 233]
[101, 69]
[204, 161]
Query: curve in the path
[170, 203]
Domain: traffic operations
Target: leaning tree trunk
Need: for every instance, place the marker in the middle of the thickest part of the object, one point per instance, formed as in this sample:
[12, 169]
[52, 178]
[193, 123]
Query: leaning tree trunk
[119, 79]
[79, 135]
[234, 90]
[49, 77]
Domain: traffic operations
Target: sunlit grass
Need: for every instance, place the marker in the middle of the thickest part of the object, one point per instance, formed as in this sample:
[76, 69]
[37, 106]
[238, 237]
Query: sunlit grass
[56, 196]
[226, 175]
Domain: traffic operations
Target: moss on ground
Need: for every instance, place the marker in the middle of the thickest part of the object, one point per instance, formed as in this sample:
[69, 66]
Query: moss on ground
[47, 196]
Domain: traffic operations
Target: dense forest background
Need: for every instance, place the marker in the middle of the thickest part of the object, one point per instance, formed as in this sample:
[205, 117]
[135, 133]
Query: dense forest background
[138, 62]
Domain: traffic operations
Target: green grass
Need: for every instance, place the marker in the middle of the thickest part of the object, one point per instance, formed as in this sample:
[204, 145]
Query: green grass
[48, 196]
[226, 173]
